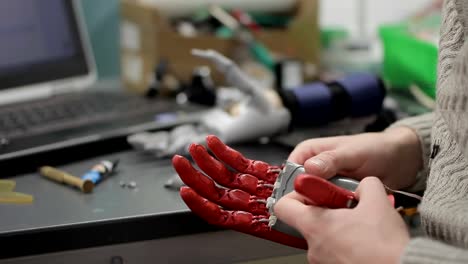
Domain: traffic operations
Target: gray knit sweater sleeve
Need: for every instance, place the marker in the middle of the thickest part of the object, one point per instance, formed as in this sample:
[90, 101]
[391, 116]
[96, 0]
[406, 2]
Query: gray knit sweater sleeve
[442, 205]
[422, 126]
[427, 251]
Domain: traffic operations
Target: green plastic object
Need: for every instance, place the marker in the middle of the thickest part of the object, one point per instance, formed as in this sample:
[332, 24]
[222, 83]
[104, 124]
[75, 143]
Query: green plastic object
[224, 32]
[271, 20]
[262, 54]
[258, 50]
[328, 36]
[408, 60]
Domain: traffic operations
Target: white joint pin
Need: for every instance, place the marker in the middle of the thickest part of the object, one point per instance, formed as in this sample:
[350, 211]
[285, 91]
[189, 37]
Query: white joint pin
[276, 185]
[268, 185]
[274, 170]
[270, 202]
[272, 220]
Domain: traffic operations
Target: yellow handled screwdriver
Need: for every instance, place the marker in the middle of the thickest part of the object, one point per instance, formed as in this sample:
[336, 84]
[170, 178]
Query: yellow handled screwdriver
[57, 175]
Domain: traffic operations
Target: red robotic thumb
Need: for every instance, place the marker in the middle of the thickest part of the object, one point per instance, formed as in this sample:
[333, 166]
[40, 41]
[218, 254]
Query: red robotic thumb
[323, 193]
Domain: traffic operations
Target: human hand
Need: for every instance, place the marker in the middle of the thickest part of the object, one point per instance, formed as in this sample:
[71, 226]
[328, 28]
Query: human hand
[372, 232]
[394, 156]
[237, 198]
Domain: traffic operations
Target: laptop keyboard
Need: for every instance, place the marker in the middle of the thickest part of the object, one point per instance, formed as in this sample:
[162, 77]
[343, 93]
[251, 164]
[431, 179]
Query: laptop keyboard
[71, 111]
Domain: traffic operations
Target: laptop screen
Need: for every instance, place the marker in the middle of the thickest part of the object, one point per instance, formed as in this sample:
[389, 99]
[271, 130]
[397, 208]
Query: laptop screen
[39, 42]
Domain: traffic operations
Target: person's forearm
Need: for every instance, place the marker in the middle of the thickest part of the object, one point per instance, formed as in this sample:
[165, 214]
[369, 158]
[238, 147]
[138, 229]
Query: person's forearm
[403, 142]
[421, 126]
[407, 143]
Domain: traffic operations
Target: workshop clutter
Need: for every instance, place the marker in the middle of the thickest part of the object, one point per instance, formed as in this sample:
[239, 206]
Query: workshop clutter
[9, 196]
[155, 31]
[410, 53]
[266, 56]
[87, 181]
[263, 112]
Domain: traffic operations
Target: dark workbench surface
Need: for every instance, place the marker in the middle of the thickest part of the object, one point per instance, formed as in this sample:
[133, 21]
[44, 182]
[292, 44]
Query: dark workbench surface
[63, 218]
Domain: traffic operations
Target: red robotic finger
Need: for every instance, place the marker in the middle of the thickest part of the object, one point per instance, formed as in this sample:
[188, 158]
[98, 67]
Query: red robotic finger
[237, 161]
[223, 176]
[237, 220]
[321, 192]
[231, 199]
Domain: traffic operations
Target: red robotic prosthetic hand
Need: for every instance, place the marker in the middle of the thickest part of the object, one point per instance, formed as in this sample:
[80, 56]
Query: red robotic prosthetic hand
[242, 198]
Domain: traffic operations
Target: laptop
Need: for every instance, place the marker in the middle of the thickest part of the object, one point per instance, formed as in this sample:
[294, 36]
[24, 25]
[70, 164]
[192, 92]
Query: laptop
[47, 74]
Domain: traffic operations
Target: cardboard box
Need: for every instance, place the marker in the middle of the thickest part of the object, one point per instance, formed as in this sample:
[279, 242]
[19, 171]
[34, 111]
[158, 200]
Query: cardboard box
[147, 37]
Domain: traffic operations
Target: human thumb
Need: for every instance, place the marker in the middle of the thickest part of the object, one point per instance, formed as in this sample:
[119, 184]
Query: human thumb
[325, 165]
[371, 194]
